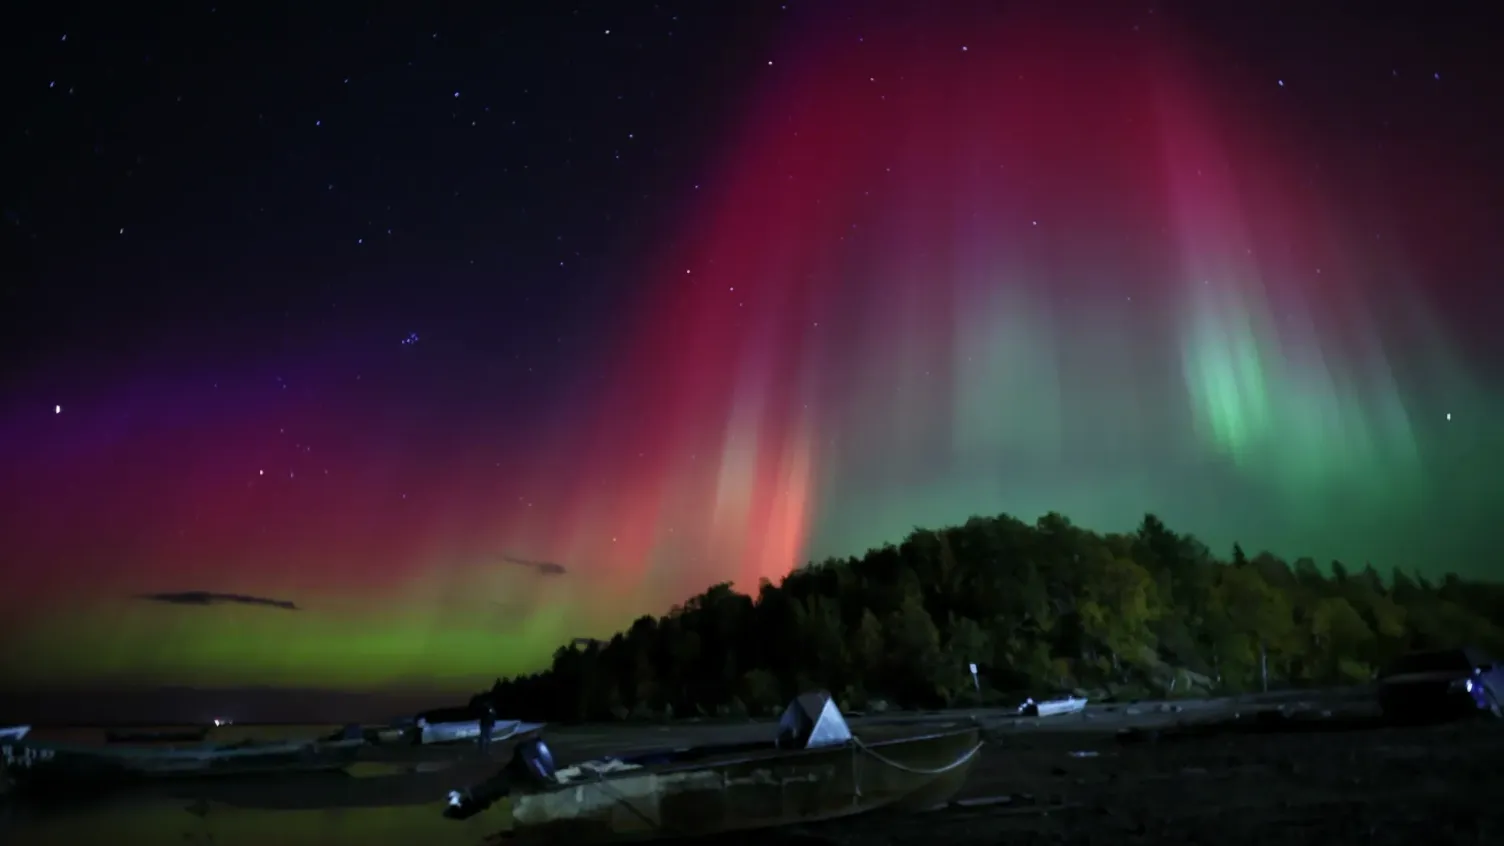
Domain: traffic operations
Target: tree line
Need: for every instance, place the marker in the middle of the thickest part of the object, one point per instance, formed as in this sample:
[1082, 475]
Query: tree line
[1040, 609]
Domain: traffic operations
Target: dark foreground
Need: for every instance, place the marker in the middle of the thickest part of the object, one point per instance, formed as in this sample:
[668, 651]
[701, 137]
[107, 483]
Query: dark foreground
[1436, 785]
[1068, 782]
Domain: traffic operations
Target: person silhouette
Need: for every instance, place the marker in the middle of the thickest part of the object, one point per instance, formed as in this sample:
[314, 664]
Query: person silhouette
[487, 725]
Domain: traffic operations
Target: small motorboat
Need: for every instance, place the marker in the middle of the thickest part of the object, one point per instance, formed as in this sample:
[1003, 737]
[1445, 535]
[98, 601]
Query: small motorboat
[815, 770]
[1052, 707]
[461, 725]
[13, 732]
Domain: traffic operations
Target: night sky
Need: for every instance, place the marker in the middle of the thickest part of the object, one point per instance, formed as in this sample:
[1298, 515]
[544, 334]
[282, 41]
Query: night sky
[376, 350]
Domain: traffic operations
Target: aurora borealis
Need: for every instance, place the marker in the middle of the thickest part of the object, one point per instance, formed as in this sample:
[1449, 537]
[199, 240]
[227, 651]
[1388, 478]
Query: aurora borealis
[927, 267]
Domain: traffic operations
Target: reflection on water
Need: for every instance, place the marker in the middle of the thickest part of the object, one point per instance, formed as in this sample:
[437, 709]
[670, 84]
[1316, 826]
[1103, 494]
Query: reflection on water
[282, 812]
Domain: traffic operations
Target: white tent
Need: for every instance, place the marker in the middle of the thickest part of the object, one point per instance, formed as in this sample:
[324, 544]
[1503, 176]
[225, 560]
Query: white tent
[811, 721]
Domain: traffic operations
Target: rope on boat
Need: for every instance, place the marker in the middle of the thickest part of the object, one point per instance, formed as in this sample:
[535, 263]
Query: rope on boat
[881, 758]
[601, 783]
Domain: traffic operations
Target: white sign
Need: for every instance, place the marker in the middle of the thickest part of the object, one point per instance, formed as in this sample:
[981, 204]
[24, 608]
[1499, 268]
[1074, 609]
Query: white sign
[24, 757]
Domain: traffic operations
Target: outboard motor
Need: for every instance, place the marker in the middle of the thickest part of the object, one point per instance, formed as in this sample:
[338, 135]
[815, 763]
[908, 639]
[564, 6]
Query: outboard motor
[532, 765]
[812, 721]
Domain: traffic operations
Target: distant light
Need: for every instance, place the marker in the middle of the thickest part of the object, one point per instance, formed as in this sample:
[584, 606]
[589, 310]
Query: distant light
[456, 95]
[1281, 83]
[1449, 415]
[57, 409]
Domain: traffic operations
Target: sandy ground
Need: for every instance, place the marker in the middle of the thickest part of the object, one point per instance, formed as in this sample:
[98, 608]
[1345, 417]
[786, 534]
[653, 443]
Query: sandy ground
[1073, 779]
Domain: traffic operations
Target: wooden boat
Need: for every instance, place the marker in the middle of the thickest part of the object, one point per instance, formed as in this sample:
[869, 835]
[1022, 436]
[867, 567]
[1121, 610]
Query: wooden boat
[718, 790]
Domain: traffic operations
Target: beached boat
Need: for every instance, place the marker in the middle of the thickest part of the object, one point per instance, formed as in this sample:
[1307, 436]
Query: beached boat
[38, 765]
[404, 772]
[13, 732]
[458, 725]
[1052, 707]
[816, 770]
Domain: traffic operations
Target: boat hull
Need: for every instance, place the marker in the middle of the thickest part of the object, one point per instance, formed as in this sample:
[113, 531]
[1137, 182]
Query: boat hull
[763, 790]
[468, 731]
[42, 767]
[331, 776]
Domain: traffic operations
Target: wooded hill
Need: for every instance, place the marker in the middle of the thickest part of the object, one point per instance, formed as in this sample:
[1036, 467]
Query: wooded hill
[1040, 608]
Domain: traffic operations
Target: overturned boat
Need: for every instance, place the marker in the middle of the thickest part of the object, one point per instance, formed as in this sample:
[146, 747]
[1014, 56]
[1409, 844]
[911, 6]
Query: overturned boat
[814, 770]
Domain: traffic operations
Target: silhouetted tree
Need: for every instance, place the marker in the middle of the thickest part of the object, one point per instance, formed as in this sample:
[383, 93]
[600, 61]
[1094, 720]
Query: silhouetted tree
[1039, 607]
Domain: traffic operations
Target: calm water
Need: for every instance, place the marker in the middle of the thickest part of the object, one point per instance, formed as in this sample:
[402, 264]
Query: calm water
[161, 815]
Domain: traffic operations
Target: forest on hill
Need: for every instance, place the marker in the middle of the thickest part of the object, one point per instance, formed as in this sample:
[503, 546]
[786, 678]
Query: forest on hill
[1039, 608]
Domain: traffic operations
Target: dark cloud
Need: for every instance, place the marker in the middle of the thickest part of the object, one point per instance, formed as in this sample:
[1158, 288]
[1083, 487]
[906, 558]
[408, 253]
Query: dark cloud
[547, 568]
[204, 597]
